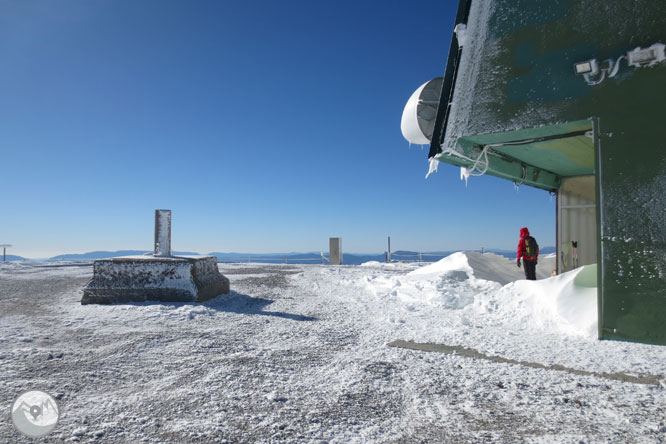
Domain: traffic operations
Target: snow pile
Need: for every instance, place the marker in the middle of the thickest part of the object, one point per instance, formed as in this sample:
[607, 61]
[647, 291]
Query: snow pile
[487, 266]
[490, 288]
[566, 303]
[397, 266]
[449, 283]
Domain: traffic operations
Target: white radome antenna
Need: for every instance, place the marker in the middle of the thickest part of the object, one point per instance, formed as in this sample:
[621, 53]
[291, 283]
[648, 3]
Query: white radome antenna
[418, 117]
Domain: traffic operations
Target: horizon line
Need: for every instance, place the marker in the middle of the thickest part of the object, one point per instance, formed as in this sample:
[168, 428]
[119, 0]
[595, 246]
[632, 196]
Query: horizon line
[292, 253]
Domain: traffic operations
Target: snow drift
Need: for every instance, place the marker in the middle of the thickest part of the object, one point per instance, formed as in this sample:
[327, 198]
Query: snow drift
[493, 288]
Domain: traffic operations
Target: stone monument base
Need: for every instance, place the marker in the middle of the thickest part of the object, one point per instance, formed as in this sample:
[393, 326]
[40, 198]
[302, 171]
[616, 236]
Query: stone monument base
[150, 278]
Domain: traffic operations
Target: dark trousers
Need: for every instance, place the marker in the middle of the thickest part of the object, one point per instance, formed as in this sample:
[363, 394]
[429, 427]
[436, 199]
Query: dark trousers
[530, 269]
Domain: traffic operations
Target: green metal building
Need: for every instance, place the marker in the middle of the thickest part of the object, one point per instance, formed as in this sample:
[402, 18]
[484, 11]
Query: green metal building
[569, 96]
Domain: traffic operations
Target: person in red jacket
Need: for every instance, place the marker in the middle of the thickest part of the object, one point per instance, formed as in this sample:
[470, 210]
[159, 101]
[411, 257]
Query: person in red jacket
[529, 257]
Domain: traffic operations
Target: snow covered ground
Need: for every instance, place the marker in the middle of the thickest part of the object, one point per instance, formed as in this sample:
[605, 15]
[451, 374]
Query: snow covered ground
[299, 354]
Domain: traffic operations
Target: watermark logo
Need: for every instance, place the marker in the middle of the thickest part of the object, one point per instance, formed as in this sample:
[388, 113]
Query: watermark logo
[35, 413]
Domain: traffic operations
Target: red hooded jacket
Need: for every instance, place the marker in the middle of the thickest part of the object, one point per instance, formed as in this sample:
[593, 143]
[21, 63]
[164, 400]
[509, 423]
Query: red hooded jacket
[524, 232]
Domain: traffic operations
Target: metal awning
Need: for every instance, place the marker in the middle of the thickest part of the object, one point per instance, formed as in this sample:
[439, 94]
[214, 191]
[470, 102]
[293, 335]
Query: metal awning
[539, 157]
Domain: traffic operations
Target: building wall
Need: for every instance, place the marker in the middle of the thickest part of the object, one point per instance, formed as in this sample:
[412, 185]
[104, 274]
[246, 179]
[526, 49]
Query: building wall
[632, 216]
[516, 72]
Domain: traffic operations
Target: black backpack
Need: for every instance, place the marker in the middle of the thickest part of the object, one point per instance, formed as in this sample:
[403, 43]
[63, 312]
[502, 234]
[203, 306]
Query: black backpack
[531, 247]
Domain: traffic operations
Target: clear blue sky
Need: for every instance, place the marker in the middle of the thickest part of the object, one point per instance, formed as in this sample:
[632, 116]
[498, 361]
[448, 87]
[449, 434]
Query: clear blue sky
[265, 126]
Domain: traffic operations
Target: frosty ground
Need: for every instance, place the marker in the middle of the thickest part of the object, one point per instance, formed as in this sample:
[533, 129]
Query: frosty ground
[299, 354]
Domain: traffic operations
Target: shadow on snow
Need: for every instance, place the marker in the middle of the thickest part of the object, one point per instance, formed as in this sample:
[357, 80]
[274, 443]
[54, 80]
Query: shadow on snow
[240, 303]
[231, 302]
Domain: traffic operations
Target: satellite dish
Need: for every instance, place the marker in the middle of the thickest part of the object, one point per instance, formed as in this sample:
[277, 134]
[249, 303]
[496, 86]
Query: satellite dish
[418, 117]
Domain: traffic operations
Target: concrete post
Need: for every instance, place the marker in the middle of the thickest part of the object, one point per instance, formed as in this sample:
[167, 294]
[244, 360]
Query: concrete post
[162, 233]
[335, 251]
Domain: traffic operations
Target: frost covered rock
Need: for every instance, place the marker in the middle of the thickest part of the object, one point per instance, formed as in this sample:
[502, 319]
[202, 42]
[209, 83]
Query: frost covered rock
[80, 431]
[149, 278]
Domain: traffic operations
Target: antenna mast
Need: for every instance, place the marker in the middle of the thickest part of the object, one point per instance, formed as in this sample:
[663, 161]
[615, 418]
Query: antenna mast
[4, 251]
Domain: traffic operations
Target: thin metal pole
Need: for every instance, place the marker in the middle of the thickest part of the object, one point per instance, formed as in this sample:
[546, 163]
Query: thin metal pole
[558, 233]
[601, 257]
[4, 251]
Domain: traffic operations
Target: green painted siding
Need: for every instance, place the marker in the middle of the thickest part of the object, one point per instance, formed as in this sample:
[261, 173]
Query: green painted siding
[526, 80]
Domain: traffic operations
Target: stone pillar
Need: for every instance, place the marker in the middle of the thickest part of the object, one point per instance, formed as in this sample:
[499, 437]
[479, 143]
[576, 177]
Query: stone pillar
[162, 233]
[335, 251]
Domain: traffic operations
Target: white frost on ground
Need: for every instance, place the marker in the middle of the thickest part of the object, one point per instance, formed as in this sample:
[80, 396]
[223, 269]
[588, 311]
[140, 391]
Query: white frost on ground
[299, 354]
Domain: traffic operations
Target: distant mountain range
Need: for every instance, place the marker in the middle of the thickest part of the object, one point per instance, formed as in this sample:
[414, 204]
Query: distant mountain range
[291, 258]
[92, 255]
[12, 257]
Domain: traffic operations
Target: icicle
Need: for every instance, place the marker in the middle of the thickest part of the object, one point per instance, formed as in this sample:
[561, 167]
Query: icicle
[434, 164]
[464, 174]
[461, 34]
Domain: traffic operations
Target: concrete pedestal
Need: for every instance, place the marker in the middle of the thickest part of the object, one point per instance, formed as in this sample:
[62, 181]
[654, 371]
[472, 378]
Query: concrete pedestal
[150, 278]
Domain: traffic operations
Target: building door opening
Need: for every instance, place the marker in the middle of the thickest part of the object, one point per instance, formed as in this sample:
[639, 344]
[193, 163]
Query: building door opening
[577, 236]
